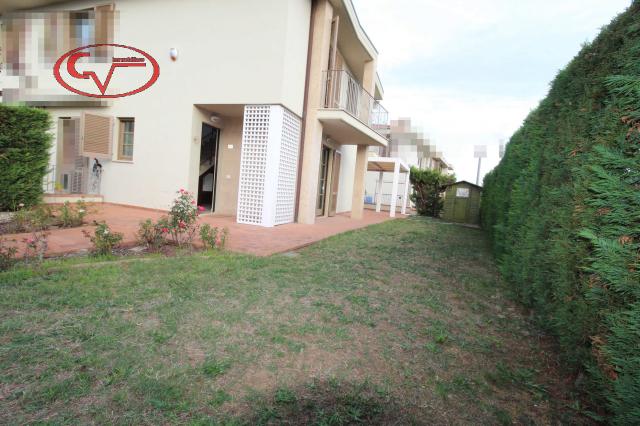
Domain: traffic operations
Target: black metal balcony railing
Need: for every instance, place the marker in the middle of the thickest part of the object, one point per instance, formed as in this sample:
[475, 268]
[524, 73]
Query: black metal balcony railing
[342, 91]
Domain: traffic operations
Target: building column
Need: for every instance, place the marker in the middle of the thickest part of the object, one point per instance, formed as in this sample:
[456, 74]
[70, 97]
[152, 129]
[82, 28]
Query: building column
[357, 202]
[379, 192]
[405, 201]
[369, 77]
[394, 189]
[322, 14]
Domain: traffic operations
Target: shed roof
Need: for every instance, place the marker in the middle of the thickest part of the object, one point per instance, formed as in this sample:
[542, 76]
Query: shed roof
[464, 181]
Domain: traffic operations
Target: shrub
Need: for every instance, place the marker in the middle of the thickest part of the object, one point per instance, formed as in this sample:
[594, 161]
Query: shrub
[103, 240]
[36, 246]
[222, 240]
[70, 216]
[183, 218]
[213, 237]
[24, 155]
[427, 188]
[37, 218]
[562, 212]
[7, 255]
[153, 235]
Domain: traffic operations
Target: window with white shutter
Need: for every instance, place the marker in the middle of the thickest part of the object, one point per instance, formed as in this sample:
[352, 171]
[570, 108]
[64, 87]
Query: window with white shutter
[96, 136]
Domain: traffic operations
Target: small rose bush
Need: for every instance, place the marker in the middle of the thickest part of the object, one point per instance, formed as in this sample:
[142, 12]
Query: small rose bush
[72, 216]
[7, 255]
[183, 217]
[103, 239]
[212, 237]
[36, 246]
[154, 235]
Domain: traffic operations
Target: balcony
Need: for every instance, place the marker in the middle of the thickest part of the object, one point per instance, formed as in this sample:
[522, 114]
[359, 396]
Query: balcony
[349, 113]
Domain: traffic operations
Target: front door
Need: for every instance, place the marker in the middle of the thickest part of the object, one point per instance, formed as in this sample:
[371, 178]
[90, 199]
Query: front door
[208, 167]
[323, 176]
[335, 180]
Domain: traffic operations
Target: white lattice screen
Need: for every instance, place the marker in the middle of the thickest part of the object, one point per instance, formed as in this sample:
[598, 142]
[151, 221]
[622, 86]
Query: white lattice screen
[288, 168]
[268, 165]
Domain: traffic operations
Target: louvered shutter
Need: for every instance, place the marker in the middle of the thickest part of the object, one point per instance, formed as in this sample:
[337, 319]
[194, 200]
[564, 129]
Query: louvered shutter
[104, 28]
[96, 139]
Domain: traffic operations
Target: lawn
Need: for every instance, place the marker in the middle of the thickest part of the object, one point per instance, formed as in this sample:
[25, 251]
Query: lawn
[402, 322]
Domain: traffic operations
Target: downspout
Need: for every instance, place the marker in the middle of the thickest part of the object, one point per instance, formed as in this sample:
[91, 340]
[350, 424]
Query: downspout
[304, 108]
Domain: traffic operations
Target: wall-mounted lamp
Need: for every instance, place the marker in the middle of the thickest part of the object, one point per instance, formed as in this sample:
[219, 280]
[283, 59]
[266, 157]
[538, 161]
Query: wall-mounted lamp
[173, 53]
[216, 120]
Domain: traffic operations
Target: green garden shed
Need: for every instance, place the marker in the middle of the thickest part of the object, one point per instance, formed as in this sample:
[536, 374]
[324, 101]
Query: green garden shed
[462, 203]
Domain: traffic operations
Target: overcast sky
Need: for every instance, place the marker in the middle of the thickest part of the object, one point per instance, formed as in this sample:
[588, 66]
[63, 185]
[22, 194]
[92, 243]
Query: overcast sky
[469, 71]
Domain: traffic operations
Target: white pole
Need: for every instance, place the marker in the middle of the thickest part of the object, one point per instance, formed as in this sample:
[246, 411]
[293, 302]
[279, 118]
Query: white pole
[394, 189]
[379, 192]
[407, 183]
[478, 175]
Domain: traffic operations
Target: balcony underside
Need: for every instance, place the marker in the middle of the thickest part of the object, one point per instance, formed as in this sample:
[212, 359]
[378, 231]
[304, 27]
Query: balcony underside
[348, 130]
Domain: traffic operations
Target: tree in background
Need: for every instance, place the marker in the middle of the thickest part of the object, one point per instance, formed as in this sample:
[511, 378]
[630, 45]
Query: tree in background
[427, 189]
[24, 155]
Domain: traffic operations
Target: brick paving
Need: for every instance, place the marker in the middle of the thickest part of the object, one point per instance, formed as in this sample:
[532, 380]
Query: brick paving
[249, 239]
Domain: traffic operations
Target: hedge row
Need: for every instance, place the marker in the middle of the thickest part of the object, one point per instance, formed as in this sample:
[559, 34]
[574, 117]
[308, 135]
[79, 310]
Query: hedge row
[24, 155]
[563, 213]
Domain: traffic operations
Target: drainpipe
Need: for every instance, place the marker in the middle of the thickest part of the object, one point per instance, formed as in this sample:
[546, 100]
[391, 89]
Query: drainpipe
[304, 108]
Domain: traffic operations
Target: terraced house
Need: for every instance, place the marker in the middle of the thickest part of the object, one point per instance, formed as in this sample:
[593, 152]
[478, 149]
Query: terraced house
[264, 108]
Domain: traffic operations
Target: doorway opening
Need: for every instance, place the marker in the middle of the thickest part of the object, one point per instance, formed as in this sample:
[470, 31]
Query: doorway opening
[323, 178]
[335, 181]
[207, 180]
[71, 171]
[328, 179]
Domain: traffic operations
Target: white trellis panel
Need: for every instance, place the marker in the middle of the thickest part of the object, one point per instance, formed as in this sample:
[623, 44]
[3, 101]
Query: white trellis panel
[268, 165]
[288, 168]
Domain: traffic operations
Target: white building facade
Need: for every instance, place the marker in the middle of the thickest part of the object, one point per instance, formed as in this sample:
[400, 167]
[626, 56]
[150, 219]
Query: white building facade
[238, 114]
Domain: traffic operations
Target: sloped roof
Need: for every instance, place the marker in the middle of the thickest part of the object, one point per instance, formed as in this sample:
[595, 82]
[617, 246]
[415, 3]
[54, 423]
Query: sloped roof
[466, 182]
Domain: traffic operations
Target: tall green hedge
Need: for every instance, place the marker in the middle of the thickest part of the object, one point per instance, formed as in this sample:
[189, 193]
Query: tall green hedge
[563, 213]
[24, 155]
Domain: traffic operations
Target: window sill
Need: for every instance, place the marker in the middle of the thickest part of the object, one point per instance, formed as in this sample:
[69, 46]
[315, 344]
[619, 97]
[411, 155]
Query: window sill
[123, 161]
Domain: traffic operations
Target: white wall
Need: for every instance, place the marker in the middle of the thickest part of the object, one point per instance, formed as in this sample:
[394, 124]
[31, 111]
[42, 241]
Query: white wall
[347, 174]
[230, 52]
[371, 181]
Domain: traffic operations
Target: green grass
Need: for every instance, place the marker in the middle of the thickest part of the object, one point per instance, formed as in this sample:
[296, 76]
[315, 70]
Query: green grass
[403, 320]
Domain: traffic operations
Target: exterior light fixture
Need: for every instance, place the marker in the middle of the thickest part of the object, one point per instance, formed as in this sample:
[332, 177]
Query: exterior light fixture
[216, 120]
[173, 53]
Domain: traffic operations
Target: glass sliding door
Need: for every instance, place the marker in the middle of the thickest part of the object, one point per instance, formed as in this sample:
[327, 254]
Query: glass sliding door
[323, 176]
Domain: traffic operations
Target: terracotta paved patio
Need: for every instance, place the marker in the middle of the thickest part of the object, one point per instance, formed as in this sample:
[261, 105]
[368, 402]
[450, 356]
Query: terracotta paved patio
[242, 238]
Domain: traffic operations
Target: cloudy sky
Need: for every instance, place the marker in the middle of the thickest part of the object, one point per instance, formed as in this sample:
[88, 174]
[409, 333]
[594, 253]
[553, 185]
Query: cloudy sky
[469, 71]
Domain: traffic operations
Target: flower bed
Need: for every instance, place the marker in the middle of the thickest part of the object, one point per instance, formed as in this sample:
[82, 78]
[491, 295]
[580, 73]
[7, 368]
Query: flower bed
[43, 217]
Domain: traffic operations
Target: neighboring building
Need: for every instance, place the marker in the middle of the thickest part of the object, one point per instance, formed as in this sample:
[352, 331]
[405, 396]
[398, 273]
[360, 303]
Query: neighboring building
[413, 148]
[265, 109]
[437, 162]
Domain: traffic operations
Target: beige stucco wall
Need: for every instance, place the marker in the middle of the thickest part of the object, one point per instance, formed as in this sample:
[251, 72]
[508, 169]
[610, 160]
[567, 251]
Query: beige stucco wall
[229, 167]
[230, 52]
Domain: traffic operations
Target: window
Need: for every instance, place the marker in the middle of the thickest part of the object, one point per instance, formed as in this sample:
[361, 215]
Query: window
[462, 192]
[82, 27]
[93, 26]
[125, 140]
